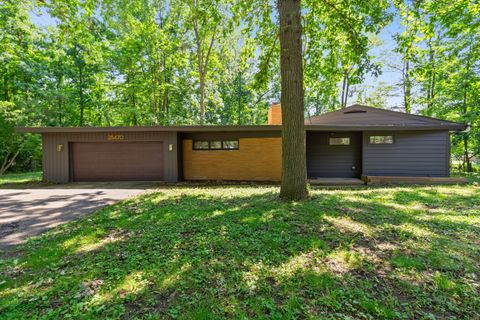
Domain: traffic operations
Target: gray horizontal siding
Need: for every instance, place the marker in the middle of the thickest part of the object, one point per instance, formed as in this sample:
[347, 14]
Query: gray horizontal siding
[414, 153]
[324, 160]
[56, 164]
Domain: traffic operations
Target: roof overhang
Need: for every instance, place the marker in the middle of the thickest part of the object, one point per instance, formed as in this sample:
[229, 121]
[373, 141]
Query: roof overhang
[452, 127]
[253, 128]
[150, 129]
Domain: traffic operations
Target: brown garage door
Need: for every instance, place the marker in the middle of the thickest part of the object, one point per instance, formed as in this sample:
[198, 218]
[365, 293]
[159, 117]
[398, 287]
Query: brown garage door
[116, 161]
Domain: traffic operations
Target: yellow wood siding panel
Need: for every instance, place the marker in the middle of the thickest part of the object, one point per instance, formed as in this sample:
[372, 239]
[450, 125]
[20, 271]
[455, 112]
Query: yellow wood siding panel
[258, 159]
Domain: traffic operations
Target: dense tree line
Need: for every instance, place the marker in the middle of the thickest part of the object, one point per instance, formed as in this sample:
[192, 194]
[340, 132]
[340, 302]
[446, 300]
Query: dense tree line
[160, 62]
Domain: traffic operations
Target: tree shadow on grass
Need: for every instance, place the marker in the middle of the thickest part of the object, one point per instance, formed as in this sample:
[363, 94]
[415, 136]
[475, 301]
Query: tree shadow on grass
[240, 252]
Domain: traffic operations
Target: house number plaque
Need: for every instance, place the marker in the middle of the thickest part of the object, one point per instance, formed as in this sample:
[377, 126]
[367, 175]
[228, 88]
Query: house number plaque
[115, 137]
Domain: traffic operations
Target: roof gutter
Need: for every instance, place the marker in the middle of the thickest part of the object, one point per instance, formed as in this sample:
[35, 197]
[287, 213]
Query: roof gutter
[262, 128]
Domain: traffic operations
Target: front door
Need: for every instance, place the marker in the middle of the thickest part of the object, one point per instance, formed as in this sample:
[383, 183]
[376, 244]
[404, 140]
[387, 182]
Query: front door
[334, 154]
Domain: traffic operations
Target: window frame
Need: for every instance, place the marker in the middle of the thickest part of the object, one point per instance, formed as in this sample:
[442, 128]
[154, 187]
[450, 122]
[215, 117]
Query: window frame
[382, 142]
[222, 145]
[339, 144]
[200, 149]
[235, 148]
[211, 142]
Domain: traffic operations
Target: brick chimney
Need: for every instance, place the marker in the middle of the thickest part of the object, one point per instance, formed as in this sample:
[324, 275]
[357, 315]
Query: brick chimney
[275, 114]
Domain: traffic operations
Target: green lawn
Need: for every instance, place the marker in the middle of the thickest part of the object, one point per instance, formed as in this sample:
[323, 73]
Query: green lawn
[238, 252]
[20, 179]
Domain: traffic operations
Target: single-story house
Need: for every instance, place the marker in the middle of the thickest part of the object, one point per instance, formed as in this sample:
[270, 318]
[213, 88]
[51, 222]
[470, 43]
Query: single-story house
[351, 142]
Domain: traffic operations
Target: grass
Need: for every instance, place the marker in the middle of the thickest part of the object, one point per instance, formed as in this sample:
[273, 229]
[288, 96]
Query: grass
[20, 179]
[238, 252]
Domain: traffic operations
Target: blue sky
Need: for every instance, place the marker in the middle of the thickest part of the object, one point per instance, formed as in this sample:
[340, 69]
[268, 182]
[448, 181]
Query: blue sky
[385, 54]
[382, 53]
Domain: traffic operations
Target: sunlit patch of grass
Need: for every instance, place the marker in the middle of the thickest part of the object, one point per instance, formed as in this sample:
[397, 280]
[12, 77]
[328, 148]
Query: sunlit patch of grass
[344, 260]
[346, 224]
[443, 282]
[218, 252]
[20, 179]
[416, 230]
[94, 242]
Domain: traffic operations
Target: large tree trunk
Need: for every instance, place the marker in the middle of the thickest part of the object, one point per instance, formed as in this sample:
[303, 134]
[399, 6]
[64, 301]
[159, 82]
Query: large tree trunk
[294, 170]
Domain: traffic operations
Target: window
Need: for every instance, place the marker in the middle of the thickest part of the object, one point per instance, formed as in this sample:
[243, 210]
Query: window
[200, 145]
[381, 139]
[339, 141]
[215, 145]
[230, 144]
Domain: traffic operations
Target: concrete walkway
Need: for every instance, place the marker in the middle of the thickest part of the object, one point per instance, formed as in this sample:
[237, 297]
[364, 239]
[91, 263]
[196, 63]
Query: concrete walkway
[28, 212]
[336, 181]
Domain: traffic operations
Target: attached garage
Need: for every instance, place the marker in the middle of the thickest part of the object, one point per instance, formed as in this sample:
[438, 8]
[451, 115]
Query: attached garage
[110, 154]
[116, 161]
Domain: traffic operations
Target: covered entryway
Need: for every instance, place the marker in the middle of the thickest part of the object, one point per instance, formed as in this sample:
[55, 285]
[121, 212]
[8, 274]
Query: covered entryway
[116, 161]
[334, 154]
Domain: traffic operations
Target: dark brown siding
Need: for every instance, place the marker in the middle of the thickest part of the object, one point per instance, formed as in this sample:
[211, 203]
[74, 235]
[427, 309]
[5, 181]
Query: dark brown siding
[324, 160]
[117, 161]
[414, 153]
[56, 167]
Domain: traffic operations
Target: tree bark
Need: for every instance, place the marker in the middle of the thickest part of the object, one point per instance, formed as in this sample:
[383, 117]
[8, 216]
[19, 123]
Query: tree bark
[466, 152]
[468, 163]
[294, 170]
[80, 92]
[344, 81]
[407, 94]
[203, 56]
[8, 162]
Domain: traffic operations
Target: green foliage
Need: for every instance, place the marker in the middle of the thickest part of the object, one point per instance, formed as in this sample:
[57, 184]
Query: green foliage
[441, 44]
[21, 151]
[239, 252]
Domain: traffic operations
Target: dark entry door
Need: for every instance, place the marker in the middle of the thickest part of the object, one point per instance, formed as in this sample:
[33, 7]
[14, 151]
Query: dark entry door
[329, 154]
[116, 161]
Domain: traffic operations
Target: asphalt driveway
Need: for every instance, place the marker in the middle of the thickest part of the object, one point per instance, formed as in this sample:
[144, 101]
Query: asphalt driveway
[28, 212]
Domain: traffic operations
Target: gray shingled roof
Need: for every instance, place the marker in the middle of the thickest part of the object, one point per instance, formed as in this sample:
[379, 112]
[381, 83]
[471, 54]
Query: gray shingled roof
[364, 117]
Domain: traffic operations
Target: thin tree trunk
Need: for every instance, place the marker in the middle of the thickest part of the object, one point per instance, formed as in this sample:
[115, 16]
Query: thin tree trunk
[294, 171]
[239, 96]
[5, 88]
[80, 92]
[202, 98]
[466, 151]
[203, 57]
[431, 84]
[468, 163]
[7, 163]
[347, 88]
[344, 81]
[59, 100]
[407, 95]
